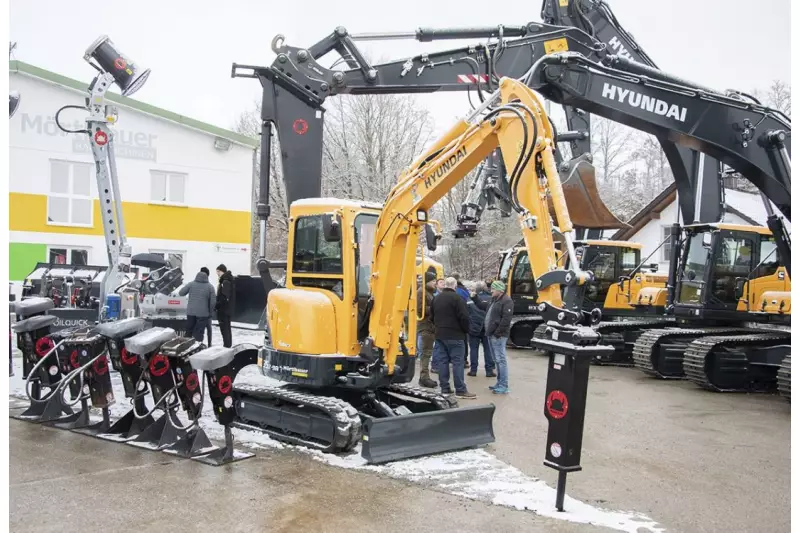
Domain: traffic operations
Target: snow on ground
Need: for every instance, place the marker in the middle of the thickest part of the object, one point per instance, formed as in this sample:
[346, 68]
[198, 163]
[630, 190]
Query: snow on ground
[475, 474]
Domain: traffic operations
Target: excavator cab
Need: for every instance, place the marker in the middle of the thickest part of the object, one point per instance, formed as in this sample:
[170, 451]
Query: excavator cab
[732, 272]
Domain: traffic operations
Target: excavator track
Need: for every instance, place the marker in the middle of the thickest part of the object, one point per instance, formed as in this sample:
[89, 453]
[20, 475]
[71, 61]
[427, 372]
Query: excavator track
[335, 425]
[715, 364]
[785, 378]
[614, 334]
[523, 329]
[338, 422]
[440, 401]
[671, 365]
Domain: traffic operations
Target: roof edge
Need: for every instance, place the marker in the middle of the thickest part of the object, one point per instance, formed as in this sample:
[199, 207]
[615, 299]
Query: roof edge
[32, 70]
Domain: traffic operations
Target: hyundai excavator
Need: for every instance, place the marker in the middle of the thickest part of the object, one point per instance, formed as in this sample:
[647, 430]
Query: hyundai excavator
[623, 288]
[732, 300]
[339, 332]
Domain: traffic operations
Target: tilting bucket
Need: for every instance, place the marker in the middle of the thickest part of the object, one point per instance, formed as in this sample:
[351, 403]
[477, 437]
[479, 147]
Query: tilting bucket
[402, 437]
[586, 208]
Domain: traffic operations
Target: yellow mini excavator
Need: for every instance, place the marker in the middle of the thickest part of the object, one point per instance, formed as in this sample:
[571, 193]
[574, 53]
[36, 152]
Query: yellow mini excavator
[339, 332]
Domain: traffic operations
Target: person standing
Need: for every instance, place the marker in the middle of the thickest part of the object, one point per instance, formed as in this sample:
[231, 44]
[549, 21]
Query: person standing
[208, 325]
[460, 288]
[498, 326]
[426, 334]
[451, 326]
[225, 304]
[200, 306]
[478, 305]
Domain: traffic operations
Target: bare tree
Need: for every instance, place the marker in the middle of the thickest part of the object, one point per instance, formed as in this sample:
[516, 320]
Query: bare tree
[369, 140]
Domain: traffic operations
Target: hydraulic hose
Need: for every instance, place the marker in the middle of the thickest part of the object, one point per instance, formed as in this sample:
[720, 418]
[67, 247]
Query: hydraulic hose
[33, 372]
[63, 128]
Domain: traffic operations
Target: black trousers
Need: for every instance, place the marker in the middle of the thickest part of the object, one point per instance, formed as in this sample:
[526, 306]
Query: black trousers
[196, 326]
[224, 320]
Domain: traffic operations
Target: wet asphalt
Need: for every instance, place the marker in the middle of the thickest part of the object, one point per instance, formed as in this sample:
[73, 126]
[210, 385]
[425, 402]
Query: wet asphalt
[693, 460]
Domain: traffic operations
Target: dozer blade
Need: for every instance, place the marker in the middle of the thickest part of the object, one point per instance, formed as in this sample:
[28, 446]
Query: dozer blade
[405, 436]
[586, 208]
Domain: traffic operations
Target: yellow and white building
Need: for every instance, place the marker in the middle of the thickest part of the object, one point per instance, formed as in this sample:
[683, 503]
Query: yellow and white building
[185, 185]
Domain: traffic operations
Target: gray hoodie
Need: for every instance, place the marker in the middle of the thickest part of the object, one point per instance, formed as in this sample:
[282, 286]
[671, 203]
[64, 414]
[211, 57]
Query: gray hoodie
[201, 296]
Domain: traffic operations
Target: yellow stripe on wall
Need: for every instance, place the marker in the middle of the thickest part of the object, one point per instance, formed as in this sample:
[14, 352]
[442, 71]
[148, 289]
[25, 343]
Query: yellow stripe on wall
[28, 212]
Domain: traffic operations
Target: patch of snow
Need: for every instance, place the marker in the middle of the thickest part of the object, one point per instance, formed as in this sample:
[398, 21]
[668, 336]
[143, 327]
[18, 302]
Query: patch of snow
[474, 474]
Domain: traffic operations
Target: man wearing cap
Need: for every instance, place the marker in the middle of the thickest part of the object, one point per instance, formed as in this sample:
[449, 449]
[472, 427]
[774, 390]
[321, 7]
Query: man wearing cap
[225, 304]
[498, 326]
[425, 331]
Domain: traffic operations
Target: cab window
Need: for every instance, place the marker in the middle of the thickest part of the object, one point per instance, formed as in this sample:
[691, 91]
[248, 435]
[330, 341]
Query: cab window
[768, 255]
[312, 253]
[365, 238]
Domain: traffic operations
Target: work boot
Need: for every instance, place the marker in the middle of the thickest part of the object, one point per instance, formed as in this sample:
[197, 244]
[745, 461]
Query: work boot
[466, 395]
[491, 374]
[428, 383]
[472, 373]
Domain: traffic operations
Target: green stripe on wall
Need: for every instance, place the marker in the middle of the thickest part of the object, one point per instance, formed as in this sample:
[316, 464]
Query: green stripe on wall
[22, 258]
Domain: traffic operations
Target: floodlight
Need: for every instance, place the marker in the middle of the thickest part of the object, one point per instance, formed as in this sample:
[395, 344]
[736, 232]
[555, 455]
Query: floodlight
[128, 76]
[13, 103]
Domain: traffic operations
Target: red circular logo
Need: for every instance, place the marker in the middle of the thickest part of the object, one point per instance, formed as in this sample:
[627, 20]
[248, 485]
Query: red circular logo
[300, 126]
[224, 384]
[127, 357]
[73, 359]
[100, 366]
[44, 345]
[100, 138]
[557, 404]
[157, 369]
[120, 63]
[192, 382]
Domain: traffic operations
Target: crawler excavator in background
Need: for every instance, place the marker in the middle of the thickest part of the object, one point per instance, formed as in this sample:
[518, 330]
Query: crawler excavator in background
[732, 304]
[349, 353]
[623, 288]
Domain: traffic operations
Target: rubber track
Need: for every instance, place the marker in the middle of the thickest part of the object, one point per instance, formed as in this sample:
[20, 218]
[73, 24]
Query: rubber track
[345, 417]
[648, 341]
[694, 362]
[519, 319]
[785, 378]
[440, 401]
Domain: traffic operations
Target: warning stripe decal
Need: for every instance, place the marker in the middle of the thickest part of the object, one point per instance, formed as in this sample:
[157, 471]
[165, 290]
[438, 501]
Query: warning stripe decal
[473, 78]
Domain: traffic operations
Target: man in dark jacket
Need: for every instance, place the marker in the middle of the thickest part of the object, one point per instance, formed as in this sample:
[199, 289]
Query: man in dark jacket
[224, 305]
[451, 326]
[426, 333]
[201, 305]
[498, 326]
[478, 305]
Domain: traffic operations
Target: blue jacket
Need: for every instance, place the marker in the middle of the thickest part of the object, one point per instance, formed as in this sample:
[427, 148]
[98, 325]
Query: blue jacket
[477, 307]
[463, 292]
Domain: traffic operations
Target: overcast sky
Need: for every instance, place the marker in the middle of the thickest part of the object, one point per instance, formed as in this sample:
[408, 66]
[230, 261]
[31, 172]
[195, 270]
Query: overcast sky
[190, 45]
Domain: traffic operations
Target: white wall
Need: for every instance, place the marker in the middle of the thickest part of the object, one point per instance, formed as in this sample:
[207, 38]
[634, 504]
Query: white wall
[216, 179]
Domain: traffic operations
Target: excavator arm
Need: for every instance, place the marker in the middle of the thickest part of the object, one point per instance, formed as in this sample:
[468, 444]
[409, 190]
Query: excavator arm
[750, 138]
[700, 192]
[514, 120]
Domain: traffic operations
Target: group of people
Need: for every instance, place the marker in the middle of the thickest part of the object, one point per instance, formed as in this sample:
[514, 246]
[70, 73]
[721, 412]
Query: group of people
[456, 323]
[204, 301]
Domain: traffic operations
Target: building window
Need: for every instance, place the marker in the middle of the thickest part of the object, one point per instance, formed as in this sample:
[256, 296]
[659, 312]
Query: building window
[68, 255]
[69, 202]
[666, 250]
[167, 187]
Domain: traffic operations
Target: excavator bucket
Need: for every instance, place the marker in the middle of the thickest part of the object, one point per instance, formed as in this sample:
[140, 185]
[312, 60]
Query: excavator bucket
[586, 208]
[405, 436]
